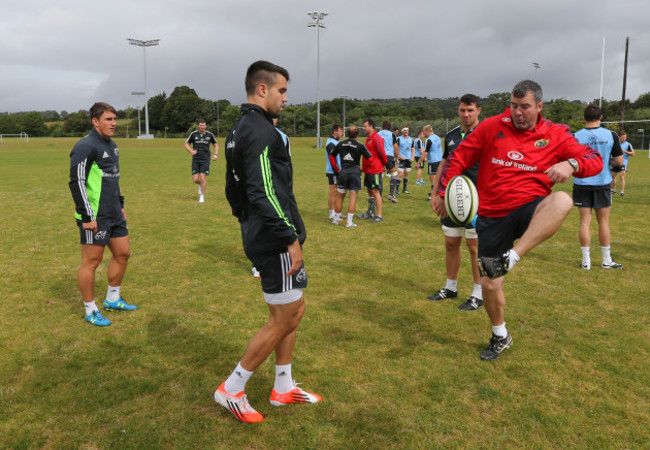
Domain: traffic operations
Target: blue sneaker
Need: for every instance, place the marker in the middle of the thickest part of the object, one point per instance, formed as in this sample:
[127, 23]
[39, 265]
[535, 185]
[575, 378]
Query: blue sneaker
[97, 319]
[119, 305]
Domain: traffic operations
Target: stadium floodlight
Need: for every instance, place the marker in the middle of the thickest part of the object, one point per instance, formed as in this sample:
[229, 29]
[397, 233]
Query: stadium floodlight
[317, 23]
[536, 66]
[144, 45]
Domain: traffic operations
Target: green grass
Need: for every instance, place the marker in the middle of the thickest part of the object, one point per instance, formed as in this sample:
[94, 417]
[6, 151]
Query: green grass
[395, 370]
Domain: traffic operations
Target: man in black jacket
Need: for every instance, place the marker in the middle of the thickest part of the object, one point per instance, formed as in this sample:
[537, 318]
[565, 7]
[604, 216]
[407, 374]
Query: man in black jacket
[259, 188]
[99, 210]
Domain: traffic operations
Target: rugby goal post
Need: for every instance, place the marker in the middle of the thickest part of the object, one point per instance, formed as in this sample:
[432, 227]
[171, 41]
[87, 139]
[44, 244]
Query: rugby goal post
[642, 131]
[22, 135]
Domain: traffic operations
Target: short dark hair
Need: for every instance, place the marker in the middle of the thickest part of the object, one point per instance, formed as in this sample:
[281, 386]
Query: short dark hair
[263, 72]
[592, 112]
[336, 126]
[524, 87]
[198, 121]
[100, 108]
[386, 125]
[471, 99]
[370, 122]
[353, 132]
[623, 133]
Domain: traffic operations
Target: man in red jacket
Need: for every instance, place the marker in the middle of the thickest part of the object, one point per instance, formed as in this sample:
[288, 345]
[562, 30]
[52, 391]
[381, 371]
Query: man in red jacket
[373, 168]
[521, 156]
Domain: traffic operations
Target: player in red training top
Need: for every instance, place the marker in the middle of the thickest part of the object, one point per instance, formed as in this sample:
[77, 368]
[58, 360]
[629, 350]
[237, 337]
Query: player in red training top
[373, 168]
[521, 156]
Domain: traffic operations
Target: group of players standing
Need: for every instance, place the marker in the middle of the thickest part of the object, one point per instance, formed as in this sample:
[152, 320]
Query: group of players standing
[514, 159]
[395, 155]
[523, 156]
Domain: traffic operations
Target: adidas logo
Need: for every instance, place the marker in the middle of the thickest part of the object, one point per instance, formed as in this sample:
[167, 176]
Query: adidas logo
[500, 135]
[451, 142]
[105, 155]
[283, 374]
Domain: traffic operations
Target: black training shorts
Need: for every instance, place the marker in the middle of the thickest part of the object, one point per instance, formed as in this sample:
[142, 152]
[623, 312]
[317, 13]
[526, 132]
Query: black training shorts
[106, 229]
[496, 235]
[374, 181]
[595, 197]
[350, 180]
[332, 179]
[390, 163]
[405, 164]
[200, 166]
[273, 273]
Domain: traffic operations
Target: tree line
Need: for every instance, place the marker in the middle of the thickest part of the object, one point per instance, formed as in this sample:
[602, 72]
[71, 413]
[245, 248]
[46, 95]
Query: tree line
[175, 115]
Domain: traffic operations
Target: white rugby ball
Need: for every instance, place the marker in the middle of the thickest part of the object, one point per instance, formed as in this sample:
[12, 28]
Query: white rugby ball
[461, 200]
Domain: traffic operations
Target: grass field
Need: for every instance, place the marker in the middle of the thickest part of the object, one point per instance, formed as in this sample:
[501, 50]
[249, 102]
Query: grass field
[395, 370]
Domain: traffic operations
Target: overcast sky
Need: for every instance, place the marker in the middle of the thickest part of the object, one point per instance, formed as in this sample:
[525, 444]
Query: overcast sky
[67, 54]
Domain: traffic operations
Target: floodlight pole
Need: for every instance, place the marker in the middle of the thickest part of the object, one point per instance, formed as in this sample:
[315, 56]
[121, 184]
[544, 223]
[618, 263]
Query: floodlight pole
[627, 47]
[318, 18]
[139, 127]
[144, 45]
[602, 74]
[344, 97]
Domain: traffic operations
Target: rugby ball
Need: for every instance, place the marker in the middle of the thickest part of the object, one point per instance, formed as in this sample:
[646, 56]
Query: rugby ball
[461, 200]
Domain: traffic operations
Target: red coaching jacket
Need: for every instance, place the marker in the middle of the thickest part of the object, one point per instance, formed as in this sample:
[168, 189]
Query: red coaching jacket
[375, 145]
[512, 162]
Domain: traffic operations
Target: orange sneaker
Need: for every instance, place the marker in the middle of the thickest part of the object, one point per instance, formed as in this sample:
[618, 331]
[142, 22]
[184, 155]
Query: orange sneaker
[295, 395]
[237, 404]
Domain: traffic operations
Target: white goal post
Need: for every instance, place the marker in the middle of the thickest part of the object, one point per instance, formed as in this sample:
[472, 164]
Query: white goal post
[21, 135]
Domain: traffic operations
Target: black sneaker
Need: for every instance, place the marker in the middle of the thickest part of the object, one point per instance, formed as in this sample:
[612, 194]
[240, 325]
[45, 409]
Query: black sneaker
[493, 267]
[471, 304]
[363, 216]
[377, 219]
[442, 294]
[495, 347]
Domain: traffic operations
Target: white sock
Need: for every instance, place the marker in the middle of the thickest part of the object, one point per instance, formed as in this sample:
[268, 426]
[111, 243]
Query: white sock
[332, 212]
[237, 380]
[500, 330]
[607, 257]
[477, 291]
[586, 258]
[452, 285]
[90, 307]
[113, 293]
[283, 379]
[513, 258]
[350, 217]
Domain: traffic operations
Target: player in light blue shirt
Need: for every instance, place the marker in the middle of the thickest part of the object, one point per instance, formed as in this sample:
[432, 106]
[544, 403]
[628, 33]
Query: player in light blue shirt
[433, 149]
[627, 152]
[332, 177]
[390, 147]
[593, 193]
[419, 157]
[405, 158]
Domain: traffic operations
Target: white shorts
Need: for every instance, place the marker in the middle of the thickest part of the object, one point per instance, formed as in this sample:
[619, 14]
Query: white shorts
[457, 232]
[283, 298]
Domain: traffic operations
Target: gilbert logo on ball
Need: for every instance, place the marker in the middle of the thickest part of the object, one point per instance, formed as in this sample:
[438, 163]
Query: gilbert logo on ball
[461, 200]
